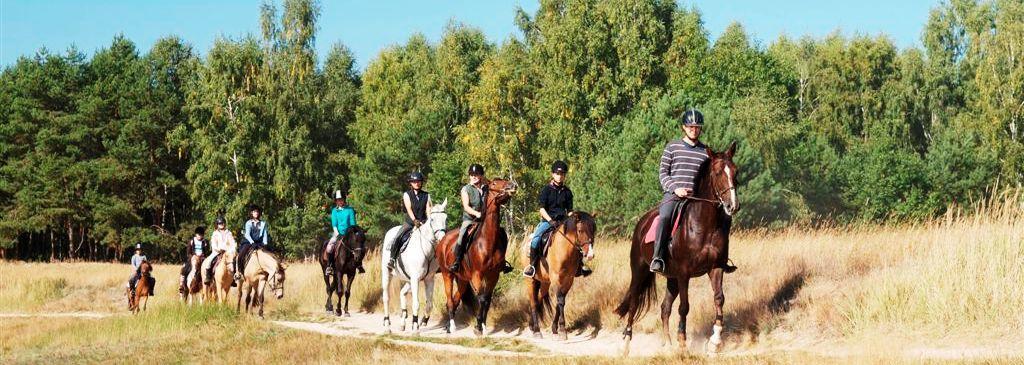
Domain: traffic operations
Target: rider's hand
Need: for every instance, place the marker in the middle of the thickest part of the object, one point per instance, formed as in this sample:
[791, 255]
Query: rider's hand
[417, 223]
[682, 192]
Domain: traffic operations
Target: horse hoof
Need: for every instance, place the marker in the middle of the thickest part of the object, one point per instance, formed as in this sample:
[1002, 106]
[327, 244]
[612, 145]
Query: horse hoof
[537, 335]
[565, 336]
[347, 315]
[477, 331]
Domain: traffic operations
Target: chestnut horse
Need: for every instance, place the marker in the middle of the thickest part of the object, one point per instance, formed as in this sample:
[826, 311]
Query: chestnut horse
[193, 281]
[484, 257]
[699, 246]
[348, 254]
[572, 241]
[143, 288]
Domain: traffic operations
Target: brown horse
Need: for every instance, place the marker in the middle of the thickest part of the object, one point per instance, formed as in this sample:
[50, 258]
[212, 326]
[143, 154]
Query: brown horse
[570, 242]
[143, 288]
[699, 246]
[193, 281]
[348, 254]
[484, 257]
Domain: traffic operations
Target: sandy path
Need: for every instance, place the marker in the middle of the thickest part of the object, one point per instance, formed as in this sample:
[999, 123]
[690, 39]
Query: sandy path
[580, 343]
[93, 315]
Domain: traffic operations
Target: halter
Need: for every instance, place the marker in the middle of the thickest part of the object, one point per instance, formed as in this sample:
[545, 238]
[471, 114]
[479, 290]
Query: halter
[575, 243]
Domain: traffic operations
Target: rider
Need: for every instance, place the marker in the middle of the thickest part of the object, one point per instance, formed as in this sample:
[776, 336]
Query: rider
[137, 260]
[472, 209]
[680, 163]
[555, 202]
[417, 204]
[221, 241]
[197, 246]
[342, 218]
[256, 237]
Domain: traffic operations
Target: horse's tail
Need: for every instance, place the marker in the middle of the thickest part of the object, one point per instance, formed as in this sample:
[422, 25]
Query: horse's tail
[640, 295]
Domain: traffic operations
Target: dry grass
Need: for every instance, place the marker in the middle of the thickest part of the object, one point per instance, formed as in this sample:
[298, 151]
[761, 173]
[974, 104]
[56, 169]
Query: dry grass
[950, 285]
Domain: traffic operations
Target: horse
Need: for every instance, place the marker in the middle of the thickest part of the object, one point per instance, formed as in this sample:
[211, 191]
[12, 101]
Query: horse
[415, 264]
[193, 281]
[261, 267]
[569, 243]
[220, 285]
[699, 246]
[348, 254]
[484, 258]
[143, 288]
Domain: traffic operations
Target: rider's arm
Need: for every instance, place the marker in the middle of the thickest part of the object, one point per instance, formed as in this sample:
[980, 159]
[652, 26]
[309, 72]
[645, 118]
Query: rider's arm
[266, 233]
[408, 207]
[245, 232]
[568, 203]
[352, 218]
[465, 204]
[544, 214]
[334, 223]
[665, 169]
[430, 204]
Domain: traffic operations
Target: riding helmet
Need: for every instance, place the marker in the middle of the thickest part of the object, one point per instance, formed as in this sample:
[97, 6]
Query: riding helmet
[560, 167]
[220, 220]
[476, 169]
[200, 230]
[256, 208]
[415, 176]
[138, 247]
[340, 194]
[693, 117]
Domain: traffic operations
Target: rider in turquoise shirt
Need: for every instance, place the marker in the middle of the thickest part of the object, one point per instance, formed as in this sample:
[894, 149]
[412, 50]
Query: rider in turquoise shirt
[342, 218]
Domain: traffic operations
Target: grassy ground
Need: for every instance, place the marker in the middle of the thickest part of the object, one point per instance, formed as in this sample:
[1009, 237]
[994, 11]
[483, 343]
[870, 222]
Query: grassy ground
[936, 290]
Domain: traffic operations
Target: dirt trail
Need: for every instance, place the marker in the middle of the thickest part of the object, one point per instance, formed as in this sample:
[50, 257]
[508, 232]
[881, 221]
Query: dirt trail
[93, 315]
[590, 342]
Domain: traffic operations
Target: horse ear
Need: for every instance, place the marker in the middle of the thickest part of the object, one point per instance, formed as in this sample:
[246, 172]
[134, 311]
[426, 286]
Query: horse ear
[444, 204]
[731, 151]
[709, 151]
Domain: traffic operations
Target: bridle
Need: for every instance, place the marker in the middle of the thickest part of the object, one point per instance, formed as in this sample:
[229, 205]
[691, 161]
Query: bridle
[576, 244]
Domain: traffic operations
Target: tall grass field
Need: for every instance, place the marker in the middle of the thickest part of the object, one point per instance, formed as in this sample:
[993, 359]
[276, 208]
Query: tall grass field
[948, 288]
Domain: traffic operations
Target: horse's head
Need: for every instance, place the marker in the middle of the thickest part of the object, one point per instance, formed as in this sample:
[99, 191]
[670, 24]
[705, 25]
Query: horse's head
[357, 237]
[723, 174]
[500, 191]
[583, 226]
[438, 220]
[277, 280]
[145, 268]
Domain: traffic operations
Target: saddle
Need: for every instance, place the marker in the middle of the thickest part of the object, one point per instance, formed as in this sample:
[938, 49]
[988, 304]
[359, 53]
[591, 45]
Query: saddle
[404, 240]
[216, 260]
[652, 231]
[545, 238]
[471, 233]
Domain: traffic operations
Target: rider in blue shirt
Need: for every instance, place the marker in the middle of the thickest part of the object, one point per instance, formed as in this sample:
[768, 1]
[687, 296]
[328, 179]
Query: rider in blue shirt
[342, 218]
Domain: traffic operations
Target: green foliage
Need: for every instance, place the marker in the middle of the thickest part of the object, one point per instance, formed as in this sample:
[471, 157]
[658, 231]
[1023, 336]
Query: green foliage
[98, 154]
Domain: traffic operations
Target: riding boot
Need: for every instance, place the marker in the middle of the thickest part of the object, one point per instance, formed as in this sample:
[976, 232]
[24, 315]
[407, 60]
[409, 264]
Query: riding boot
[459, 251]
[396, 249]
[329, 270]
[534, 261]
[657, 263]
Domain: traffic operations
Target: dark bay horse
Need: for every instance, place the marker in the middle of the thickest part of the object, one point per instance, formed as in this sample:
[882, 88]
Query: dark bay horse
[570, 243]
[484, 257]
[348, 254]
[699, 246]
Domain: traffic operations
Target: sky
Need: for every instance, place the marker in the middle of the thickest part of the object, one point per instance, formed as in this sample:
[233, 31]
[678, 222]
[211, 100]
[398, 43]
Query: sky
[368, 26]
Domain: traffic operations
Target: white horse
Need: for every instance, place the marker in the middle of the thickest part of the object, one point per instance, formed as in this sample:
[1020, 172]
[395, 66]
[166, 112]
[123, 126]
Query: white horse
[415, 264]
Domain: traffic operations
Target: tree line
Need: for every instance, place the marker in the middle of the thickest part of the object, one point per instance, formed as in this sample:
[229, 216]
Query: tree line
[99, 153]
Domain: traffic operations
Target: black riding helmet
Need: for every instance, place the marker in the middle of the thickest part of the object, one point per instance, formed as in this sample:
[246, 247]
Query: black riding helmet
[560, 167]
[200, 230]
[220, 220]
[256, 208]
[415, 176]
[476, 169]
[692, 117]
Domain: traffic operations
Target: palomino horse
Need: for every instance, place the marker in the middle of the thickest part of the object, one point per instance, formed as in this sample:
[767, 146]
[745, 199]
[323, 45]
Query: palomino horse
[348, 254]
[414, 265]
[484, 258]
[143, 288]
[193, 281]
[699, 246]
[261, 268]
[220, 285]
[570, 242]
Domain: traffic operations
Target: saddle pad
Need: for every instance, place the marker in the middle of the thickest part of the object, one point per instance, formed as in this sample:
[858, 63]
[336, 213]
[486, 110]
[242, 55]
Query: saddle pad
[652, 231]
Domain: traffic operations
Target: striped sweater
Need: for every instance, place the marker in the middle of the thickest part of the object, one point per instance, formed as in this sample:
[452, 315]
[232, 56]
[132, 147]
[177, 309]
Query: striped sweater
[680, 163]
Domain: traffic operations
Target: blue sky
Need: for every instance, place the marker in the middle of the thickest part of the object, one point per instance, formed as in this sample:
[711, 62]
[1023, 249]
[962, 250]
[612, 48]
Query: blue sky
[368, 26]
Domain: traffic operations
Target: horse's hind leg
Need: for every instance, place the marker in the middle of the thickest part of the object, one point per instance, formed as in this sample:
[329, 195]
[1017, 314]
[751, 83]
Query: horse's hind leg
[672, 290]
[330, 289]
[715, 342]
[684, 309]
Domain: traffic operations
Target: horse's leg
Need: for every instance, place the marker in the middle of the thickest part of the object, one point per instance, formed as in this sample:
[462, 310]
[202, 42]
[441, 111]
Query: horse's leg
[715, 342]
[561, 291]
[385, 297]
[404, 305]
[348, 293]
[415, 286]
[329, 288]
[672, 290]
[532, 292]
[340, 288]
[450, 292]
[428, 297]
[261, 295]
[683, 288]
